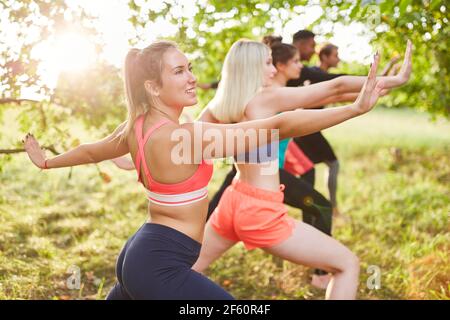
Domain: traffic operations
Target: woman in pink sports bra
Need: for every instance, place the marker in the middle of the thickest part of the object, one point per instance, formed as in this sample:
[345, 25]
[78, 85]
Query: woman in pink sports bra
[156, 261]
[251, 210]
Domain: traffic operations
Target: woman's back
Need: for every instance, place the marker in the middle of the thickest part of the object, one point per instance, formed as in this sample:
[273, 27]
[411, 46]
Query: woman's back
[164, 172]
[262, 175]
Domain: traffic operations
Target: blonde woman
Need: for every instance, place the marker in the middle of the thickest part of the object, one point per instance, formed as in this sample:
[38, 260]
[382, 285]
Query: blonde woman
[251, 210]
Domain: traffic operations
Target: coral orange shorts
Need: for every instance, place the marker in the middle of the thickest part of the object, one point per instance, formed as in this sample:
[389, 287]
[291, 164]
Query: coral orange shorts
[254, 216]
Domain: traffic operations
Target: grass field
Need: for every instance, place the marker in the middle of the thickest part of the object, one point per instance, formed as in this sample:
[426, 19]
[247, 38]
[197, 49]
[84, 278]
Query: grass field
[394, 186]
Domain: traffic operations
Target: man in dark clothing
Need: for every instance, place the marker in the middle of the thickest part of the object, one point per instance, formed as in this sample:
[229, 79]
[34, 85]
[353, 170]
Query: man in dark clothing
[304, 41]
[315, 146]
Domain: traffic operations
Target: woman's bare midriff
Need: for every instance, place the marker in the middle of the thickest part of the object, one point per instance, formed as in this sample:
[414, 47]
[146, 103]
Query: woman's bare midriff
[260, 175]
[187, 219]
[263, 176]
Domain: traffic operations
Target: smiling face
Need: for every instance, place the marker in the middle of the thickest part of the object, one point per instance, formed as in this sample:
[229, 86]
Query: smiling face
[178, 87]
[306, 48]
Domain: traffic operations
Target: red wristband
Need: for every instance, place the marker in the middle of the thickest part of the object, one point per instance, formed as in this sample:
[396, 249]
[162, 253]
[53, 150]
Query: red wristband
[45, 164]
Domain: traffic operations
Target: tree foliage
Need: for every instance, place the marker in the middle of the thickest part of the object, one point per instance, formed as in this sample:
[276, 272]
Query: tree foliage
[208, 33]
[426, 23]
[93, 96]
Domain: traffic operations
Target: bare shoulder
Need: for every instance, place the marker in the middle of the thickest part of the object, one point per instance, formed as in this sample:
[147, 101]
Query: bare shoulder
[271, 93]
[162, 143]
[207, 116]
[261, 105]
[165, 154]
[163, 135]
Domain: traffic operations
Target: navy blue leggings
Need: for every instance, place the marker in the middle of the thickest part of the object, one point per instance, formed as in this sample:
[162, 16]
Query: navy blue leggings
[156, 262]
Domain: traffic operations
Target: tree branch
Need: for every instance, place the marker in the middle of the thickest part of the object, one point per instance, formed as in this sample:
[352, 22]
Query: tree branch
[11, 151]
[16, 101]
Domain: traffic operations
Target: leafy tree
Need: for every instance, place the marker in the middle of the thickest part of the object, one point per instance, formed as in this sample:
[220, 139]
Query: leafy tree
[390, 23]
[94, 97]
[208, 33]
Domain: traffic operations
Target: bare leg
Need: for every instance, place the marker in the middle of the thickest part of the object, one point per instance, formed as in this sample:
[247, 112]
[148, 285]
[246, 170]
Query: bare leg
[213, 246]
[321, 281]
[311, 247]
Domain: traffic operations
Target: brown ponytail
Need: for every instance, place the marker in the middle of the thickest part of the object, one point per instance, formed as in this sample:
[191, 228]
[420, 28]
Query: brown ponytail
[270, 40]
[281, 52]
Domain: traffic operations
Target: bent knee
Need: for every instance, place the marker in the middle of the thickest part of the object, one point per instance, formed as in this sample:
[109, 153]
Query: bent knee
[352, 262]
[348, 262]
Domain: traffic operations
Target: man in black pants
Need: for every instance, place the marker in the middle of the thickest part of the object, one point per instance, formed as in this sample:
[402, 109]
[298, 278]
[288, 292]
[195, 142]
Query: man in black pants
[315, 146]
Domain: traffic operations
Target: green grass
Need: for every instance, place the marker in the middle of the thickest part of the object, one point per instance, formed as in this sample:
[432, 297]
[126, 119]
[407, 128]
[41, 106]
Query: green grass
[394, 186]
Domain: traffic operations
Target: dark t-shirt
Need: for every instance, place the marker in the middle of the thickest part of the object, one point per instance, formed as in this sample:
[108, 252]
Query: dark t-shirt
[312, 75]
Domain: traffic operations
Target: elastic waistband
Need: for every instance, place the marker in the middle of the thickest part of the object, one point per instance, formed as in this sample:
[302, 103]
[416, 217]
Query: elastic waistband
[262, 194]
[180, 199]
[172, 234]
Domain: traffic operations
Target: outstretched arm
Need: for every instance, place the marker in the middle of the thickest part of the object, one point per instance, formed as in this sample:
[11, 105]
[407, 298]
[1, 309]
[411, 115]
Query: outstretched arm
[124, 163]
[286, 98]
[224, 138]
[108, 148]
[353, 84]
[347, 97]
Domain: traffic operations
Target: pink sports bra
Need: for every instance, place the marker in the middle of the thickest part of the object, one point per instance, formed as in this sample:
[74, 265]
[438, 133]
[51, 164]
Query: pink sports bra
[185, 192]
